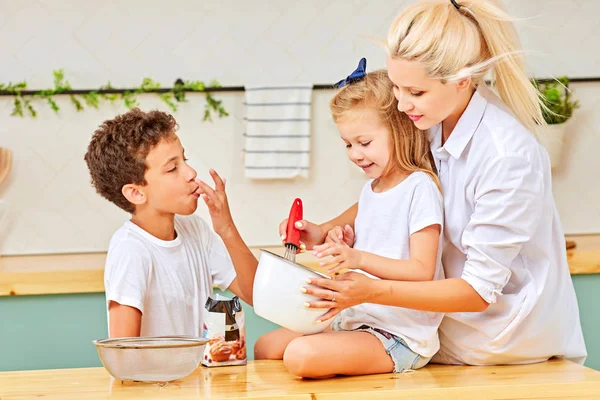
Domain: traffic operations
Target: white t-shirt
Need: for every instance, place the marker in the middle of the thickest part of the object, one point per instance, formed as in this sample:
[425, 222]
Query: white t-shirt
[504, 237]
[168, 281]
[383, 226]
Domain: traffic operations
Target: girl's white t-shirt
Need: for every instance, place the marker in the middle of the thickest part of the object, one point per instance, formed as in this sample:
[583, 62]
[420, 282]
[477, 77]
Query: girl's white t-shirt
[168, 281]
[383, 226]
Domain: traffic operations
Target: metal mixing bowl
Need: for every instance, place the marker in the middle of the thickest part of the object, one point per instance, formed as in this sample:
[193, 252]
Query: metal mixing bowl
[151, 359]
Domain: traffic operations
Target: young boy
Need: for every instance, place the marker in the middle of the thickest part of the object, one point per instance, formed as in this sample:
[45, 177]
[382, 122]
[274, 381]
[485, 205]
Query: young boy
[162, 264]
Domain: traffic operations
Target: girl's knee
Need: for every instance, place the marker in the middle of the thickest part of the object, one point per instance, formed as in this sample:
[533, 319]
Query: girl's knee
[300, 358]
[271, 345]
[264, 349]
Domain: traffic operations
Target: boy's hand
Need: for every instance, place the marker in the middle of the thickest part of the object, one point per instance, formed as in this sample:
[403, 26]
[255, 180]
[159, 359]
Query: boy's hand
[217, 203]
[343, 256]
[341, 235]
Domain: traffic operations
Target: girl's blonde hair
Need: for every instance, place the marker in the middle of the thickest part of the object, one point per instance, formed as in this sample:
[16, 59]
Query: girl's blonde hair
[410, 150]
[477, 38]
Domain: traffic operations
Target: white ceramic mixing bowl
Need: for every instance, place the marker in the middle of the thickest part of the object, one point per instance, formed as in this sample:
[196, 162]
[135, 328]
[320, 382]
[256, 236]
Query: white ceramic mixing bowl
[277, 295]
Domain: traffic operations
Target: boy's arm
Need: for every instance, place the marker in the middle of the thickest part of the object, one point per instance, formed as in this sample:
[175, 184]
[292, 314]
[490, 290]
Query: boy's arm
[243, 260]
[124, 321]
[128, 266]
[244, 263]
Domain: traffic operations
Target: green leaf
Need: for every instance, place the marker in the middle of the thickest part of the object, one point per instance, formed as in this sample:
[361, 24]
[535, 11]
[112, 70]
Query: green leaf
[92, 99]
[60, 85]
[30, 108]
[17, 107]
[76, 103]
[194, 86]
[168, 99]
[129, 99]
[207, 116]
[53, 104]
[149, 85]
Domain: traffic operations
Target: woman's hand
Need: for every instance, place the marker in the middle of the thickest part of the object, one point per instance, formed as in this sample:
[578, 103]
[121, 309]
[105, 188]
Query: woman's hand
[342, 256]
[310, 234]
[344, 291]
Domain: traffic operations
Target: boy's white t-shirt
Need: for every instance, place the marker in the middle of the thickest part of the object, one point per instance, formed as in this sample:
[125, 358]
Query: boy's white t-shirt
[383, 226]
[168, 281]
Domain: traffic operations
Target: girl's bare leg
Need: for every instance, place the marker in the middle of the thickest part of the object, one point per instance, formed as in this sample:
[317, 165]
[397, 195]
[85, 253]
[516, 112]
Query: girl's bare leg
[337, 353]
[272, 345]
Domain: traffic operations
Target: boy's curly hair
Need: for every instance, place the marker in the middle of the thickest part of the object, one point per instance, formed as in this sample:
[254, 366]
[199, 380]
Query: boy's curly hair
[116, 155]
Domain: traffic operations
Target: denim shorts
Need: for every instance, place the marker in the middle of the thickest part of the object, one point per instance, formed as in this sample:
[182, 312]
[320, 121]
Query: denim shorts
[403, 357]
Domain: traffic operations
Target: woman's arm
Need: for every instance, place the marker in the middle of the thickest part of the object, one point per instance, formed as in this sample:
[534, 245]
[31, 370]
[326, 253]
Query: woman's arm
[352, 288]
[507, 212]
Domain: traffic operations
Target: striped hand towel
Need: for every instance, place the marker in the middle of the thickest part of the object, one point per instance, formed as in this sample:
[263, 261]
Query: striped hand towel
[277, 138]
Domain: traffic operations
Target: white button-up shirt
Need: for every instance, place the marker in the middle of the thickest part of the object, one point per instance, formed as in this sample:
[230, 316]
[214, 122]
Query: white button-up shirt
[504, 237]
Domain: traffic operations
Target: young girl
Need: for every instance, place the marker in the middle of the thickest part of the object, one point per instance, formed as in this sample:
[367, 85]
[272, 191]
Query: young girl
[509, 295]
[398, 229]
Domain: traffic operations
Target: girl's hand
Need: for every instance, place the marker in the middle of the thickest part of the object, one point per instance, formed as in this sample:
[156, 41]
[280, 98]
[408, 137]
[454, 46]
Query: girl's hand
[341, 235]
[345, 291]
[218, 205]
[342, 256]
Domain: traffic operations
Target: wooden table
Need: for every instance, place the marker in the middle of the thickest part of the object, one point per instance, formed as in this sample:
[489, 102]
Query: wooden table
[556, 379]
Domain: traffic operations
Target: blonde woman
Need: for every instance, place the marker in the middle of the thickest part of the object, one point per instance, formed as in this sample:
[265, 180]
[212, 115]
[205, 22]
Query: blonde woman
[508, 293]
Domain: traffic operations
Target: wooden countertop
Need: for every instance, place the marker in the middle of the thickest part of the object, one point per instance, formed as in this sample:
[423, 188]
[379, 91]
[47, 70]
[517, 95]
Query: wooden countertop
[84, 273]
[556, 379]
[585, 258]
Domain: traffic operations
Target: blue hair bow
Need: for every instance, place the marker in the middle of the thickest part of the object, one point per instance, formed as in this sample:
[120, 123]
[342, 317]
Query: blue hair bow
[358, 74]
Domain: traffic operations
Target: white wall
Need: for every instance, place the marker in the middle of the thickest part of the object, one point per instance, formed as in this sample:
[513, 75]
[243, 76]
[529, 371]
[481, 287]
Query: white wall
[54, 208]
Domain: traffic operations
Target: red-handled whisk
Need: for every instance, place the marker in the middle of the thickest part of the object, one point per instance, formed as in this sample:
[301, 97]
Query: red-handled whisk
[292, 237]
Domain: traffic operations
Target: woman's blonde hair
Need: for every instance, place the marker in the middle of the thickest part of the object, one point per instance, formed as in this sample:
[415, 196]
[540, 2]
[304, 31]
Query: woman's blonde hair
[477, 38]
[410, 151]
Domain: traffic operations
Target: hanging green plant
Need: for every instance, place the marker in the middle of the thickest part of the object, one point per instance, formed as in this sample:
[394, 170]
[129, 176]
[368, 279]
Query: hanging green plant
[22, 103]
[556, 95]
